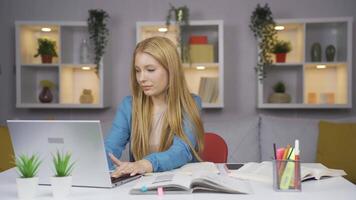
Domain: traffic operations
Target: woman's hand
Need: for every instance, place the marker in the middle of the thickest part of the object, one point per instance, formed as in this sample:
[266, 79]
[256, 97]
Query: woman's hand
[132, 168]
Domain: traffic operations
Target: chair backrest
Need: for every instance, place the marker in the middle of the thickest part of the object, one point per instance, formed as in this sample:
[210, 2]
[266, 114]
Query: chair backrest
[215, 149]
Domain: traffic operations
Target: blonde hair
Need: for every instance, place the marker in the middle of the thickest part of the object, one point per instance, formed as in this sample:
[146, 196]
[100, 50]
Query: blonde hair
[180, 103]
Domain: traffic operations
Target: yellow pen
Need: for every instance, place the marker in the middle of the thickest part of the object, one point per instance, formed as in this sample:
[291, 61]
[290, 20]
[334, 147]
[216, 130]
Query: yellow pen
[288, 173]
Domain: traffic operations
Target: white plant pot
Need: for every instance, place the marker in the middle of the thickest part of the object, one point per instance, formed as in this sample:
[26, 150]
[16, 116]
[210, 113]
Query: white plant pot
[61, 186]
[27, 187]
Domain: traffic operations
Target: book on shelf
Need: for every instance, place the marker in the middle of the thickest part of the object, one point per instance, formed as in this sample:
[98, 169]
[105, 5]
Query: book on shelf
[175, 183]
[209, 89]
[262, 172]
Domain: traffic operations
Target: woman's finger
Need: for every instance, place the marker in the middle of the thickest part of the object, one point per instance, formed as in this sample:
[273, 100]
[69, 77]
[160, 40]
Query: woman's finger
[116, 161]
[120, 170]
[116, 174]
[122, 166]
[134, 172]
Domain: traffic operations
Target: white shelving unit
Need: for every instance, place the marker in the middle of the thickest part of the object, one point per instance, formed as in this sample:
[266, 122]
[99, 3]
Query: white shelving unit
[65, 71]
[309, 86]
[212, 72]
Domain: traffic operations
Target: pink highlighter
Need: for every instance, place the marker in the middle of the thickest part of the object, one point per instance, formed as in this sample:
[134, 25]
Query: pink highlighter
[297, 181]
[280, 152]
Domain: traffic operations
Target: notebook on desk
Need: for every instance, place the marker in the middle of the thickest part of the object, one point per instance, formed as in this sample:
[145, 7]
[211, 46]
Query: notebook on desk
[83, 139]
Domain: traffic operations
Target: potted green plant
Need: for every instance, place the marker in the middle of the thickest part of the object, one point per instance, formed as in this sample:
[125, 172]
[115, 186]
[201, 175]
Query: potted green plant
[280, 49]
[98, 33]
[279, 95]
[181, 15]
[46, 95]
[181, 19]
[262, 25]
[47, 50]
[27, 168]
[62, 180]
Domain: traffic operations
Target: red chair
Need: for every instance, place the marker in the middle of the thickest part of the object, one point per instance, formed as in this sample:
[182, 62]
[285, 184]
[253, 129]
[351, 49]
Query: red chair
[215, 149]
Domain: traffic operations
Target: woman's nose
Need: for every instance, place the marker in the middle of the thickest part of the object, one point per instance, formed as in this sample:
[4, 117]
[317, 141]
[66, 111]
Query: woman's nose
[142, 77]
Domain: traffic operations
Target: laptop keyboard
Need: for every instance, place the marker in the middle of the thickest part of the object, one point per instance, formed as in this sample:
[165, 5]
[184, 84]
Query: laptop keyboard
[121, 178]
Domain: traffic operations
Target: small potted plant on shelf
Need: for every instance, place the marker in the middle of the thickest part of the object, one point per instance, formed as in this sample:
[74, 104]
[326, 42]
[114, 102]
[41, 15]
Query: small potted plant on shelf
[46, 95]
[47, 50]
[27, 168]
[62, 180]
[279, 95]
[280, 49]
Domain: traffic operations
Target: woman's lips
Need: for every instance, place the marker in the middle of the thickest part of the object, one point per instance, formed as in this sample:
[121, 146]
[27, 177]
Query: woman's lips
[146, 88]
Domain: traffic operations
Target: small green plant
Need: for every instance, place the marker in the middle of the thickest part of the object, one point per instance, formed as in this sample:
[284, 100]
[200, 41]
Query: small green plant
[46, 47]
[27, 166]
[279, 87]
[63, 166]
[281, 46]
[47, 83]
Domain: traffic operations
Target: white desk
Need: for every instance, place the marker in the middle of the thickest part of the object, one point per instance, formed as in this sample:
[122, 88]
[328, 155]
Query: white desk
[332, 188]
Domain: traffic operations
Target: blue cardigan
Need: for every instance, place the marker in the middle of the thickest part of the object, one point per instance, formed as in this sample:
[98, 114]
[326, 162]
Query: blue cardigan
[177, 155]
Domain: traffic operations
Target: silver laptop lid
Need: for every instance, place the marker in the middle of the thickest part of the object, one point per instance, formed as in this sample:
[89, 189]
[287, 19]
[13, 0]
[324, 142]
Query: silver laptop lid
[82, 138]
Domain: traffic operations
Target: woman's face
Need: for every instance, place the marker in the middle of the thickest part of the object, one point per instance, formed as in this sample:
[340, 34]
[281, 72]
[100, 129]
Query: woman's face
[150, 75]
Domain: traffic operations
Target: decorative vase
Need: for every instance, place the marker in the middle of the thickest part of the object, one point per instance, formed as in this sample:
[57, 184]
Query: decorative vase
[330, 53]
[86, 97]
[279, 98]
[84, 52]
[316, 52]
[45, 95]
[61, 186]
[26, 187]
[281, 57]
[46, 58]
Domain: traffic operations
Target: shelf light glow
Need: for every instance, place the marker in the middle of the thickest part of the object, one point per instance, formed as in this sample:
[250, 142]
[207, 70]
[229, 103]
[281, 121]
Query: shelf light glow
[46, 29]
[162, 29]
[279, 28]
[200, 67]
[321, 66]
[86, 68]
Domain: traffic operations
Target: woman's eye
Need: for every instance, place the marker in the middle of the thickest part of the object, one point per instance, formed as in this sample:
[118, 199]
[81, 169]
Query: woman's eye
[151, 70]
[137, 70]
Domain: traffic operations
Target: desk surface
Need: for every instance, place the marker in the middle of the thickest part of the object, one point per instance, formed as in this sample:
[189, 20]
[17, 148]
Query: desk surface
[332, 188]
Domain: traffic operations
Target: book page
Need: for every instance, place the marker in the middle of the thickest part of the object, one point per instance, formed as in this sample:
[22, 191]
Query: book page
[168, 180]
[319, 172]
[220, 183]
[261, 172]
[197, 167]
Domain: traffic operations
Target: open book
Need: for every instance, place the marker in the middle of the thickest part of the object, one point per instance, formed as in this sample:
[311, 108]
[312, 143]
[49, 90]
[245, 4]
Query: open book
[198, 167]
[184, 183]
[263, 172]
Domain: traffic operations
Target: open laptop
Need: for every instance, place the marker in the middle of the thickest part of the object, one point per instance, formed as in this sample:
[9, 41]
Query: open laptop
[83, 139]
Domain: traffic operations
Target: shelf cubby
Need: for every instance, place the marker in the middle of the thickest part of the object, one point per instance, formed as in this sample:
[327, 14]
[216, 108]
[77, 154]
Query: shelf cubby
[31, 76]
[66, 71]
[327, 33]
[290, 75]
[203, 78]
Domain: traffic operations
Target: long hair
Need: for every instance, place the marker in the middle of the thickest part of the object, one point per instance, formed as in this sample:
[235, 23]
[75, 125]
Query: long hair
[180, 103]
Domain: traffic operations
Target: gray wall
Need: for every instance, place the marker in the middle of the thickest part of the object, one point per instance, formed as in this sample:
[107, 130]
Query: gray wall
[236, 122]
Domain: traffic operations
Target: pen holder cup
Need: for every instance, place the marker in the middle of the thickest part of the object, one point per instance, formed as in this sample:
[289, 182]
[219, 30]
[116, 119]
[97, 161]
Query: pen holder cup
[286, 175]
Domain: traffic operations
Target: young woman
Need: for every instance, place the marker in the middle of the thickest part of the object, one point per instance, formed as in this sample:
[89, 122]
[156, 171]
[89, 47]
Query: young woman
[161, 120]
